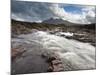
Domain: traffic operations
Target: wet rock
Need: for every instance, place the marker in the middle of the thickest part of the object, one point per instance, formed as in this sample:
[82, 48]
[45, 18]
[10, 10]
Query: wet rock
[50, 69]
[57, 68]
[45, 55]
[49, 56]
[56, 62]
[50, 59]
[16, 52]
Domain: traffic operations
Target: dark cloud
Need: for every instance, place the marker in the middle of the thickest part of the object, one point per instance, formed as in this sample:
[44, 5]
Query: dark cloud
[31, 11]
[39, 11]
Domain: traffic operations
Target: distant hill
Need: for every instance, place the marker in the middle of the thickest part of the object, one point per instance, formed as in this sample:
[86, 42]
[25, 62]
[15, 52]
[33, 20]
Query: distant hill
[67, 23]
[57, 21]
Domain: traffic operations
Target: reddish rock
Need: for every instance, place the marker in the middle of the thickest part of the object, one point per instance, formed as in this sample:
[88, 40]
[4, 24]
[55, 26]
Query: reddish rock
[57, 68]
[55, 62]
[16, 52]
[50, 69]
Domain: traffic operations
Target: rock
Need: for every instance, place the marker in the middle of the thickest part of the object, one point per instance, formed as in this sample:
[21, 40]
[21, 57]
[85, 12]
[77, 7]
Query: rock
[50, 69]
[16, 52]
[44, 55]
[57, 69]
[55, 65]
[50, 59]
[55, 62]
[49, 56]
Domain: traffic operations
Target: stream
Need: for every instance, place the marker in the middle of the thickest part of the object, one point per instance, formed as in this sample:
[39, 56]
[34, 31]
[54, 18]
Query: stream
[74, 54]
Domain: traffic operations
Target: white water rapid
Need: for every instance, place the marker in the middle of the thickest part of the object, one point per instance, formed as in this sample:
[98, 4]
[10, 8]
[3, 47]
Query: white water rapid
[74, 54]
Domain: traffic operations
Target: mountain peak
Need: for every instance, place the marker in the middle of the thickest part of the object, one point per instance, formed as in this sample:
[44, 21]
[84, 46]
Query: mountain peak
[57, 21]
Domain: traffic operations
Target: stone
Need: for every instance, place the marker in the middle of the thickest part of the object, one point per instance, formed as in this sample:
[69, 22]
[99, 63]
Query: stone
[55, 62]
[57, 68]
[50, 69]
[50, 59]
[16, 52]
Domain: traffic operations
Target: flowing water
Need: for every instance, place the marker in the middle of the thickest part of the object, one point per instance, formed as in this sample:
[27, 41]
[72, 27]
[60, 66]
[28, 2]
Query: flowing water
[74, 54]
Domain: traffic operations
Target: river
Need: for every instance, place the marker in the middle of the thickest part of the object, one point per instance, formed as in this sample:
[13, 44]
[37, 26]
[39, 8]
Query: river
[74, 54]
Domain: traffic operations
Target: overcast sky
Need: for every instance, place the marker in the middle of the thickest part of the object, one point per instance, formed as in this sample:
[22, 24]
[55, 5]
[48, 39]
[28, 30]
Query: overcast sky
[39, 11]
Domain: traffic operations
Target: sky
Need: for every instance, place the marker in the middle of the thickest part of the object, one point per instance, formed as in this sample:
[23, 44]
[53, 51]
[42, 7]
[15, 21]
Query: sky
[40, 11]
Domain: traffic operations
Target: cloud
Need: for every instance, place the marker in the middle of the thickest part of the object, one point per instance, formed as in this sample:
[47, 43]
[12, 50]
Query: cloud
[90, 13]
[87, 14]
[39, 11]
[31, 11]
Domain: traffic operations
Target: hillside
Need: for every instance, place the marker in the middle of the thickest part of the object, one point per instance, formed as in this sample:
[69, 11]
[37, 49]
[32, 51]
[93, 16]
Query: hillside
[44, 26]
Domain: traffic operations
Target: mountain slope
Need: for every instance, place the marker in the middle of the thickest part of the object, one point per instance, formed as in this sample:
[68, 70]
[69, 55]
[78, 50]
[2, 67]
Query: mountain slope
[57, 21]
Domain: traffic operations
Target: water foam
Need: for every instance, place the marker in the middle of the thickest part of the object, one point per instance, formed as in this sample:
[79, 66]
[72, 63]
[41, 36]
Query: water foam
[74, 53]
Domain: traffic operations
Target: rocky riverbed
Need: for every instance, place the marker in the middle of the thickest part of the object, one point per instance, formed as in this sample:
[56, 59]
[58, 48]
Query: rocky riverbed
[41, 51]
[82, 36]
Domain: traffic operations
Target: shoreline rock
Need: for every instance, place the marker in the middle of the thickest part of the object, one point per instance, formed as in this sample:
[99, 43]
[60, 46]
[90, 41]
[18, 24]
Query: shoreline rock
[16, 52]
[82, 37]
[55, 63]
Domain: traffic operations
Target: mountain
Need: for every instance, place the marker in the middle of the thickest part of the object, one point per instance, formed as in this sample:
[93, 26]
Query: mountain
[57, 21]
